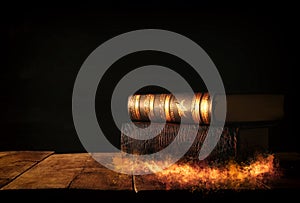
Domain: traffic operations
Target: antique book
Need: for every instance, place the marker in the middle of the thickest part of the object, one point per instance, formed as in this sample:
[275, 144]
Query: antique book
[167, 132]
[238, 142]
[201, 107]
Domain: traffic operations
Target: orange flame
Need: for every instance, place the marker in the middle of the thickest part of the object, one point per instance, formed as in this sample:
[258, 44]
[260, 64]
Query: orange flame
[231, 175]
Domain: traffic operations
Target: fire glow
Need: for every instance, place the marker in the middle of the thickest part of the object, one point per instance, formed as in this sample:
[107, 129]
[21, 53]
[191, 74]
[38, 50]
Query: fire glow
[231, 175]
[255, 174]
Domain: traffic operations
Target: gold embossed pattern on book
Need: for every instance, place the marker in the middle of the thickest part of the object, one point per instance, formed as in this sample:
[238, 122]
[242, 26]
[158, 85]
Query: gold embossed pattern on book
[166, 107]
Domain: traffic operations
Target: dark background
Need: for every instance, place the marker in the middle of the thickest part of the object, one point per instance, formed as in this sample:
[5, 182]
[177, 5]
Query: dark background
[42, 49]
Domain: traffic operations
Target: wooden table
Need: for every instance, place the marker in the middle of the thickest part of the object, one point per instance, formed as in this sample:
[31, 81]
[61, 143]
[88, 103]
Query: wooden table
[78, 175]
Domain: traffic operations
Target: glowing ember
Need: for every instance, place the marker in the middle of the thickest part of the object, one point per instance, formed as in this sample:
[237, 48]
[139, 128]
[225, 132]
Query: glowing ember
[257, 173]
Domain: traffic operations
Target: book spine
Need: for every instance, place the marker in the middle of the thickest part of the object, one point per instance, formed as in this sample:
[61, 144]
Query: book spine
[166, 107]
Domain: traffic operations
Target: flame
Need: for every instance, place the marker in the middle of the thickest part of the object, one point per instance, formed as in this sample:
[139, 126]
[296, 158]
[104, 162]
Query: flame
[231, 175]
[255, 174]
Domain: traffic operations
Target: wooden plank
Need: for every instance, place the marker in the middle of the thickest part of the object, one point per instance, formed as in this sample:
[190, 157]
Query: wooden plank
[14, 163]
[56, 171]
[151, 182]
[13, 156]
[92, 164]
[102, 179]
[147, 183]
[97, 177]
[81, 171]
[4, 154]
